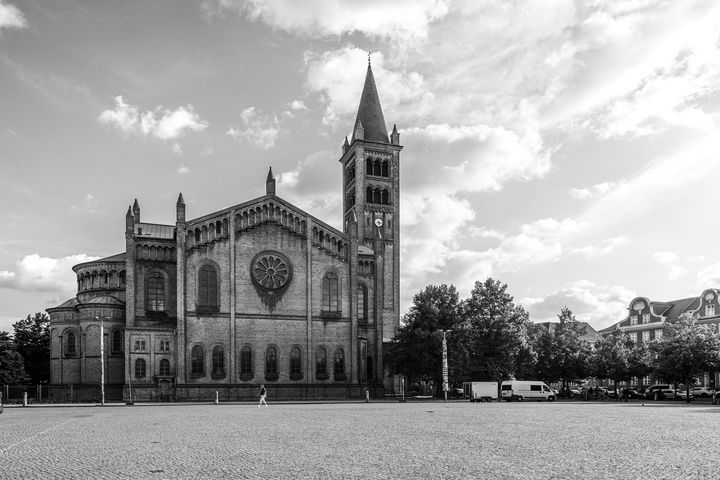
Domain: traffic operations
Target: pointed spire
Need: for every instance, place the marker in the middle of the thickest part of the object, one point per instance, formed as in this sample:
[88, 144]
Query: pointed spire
[346, 145]
[395, 136]
[129, 221]
[370, 113]
[180, 209]
[136, 211]
[270, 183]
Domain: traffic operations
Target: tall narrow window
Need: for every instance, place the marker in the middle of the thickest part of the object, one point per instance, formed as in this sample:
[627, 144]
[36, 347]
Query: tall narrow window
[197, 362]
[369, 166]
[155, 293]
[271, 372]
[218, 362]
[295, 364]
[139, 368]
[330, 292]
[709, 310]
[207, 289]
[385, 197]
[246, 370]
[71, 345]
[321, 372]
[370, 368]
[633, 319]
[385, 169]
[164, 367]
[646, 318]
[339, 365]
[362, 304]
[117, 341]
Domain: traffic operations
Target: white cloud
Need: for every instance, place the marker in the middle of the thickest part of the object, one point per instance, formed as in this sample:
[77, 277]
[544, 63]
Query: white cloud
[298, 105]
[160, 123]
[36, 273]
[260, 130]
[593, 191]
[709, 276]
[599, 305]
[404, 21]
[605, 248]
[11, 16]
[334, 75]
[183, 169]
[672, 260]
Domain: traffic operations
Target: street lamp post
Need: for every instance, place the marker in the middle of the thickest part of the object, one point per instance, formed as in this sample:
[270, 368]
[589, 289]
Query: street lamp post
[445, 363]
[102, 361]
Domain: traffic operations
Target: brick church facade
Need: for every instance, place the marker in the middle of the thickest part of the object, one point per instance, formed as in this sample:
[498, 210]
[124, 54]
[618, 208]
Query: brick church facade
[260, 292]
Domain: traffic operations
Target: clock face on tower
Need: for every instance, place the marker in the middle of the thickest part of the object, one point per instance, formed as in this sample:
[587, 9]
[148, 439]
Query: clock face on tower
[271, 270]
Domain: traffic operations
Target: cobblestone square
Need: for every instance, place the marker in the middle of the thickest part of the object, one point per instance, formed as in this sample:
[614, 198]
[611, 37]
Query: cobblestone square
[359, 440]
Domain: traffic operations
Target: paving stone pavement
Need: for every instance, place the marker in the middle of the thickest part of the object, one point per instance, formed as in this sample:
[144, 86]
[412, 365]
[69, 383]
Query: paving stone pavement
[359, 440]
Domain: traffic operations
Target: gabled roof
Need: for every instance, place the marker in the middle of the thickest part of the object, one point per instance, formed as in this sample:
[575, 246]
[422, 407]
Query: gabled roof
[682, 305]
[370, 113]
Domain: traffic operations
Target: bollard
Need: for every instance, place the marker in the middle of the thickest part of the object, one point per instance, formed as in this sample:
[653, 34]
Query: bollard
[367, 395]
[217, 398]
[24, 399]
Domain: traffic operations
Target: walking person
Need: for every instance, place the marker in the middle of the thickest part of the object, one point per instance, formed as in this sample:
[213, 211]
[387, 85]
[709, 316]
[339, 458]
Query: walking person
[262, 395]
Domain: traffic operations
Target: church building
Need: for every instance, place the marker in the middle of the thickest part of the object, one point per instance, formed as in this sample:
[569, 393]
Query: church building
[258, 293]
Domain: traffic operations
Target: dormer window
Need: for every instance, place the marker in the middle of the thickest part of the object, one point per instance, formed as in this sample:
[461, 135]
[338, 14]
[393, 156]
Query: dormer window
[633, 319]
[710, 310]
[646, 318]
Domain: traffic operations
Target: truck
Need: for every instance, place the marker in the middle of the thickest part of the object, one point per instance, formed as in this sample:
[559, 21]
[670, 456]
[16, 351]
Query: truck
[525, 390]
[480, 391]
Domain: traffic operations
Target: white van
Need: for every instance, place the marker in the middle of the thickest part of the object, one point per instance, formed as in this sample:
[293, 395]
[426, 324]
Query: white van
[525, 390]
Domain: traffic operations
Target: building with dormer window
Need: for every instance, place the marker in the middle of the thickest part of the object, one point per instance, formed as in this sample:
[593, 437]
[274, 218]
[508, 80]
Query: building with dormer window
[646, 318]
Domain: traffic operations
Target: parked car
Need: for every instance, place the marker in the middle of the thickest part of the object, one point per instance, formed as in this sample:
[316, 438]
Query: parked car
[702, 392]
[682, 395]
[631, 393]
[661, 391]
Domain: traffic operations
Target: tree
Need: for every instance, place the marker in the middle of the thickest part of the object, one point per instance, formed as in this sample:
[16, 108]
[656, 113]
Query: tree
[12, 369]
[685, 351]
[572, 351]
[32, 339]
[497, 333]
[611, 357]
[416, 352]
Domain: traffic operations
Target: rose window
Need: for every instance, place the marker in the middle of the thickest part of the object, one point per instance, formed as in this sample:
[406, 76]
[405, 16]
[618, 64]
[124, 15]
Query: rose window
[271, 270]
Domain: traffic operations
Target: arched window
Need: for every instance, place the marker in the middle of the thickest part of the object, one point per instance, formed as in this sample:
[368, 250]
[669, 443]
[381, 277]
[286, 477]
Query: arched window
[197, 362]
[377, 196]
[271, 372]
[117, 341]
[246, 364]
[218, 362]
[155, 296]
[295, 364]
[339, 364]
[207, 289]
[369, 166]
[139, 368]
[71, 344]
[362, 304]
[330, 293]
[368, 195]
[385, 197]
[164, 367]
[385, 169]
[321, 371]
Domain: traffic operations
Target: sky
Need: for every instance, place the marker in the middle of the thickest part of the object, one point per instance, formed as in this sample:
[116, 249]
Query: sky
[568, 149]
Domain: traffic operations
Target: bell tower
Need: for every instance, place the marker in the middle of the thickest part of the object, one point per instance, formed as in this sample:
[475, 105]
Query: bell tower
[371, 198]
